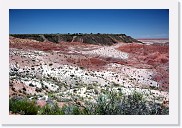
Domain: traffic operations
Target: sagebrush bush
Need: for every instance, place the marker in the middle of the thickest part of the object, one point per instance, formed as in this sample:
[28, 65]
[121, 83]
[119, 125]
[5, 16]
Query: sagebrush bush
[113, 103]
[23, 106]
[51, 110]
[108, 103]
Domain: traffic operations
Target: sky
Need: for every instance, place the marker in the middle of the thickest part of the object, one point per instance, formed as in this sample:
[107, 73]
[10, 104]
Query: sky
[138, 23]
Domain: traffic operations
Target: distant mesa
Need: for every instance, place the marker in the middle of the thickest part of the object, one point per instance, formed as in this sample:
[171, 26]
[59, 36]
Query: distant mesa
[101, 39]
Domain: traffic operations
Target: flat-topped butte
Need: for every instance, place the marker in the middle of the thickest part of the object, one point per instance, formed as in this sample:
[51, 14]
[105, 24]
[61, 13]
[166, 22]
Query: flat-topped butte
[101, 39]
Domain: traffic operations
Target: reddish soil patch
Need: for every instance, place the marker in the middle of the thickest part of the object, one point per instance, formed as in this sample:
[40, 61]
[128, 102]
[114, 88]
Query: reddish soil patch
[35, 45]
[46, 46]
[150, 56]
[141, 49]
[38, 46]
[41, 103]
[131, 48]
[162, 77]
[89, 62]
[121, 62]
[146, 54]
[97, 61]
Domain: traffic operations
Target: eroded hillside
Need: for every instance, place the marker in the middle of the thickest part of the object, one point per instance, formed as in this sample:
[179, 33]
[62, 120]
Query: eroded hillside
[74, 72]
[102, 39]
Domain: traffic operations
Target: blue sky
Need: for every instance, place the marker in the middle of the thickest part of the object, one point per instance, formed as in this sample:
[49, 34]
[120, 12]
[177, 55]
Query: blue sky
[138, 23]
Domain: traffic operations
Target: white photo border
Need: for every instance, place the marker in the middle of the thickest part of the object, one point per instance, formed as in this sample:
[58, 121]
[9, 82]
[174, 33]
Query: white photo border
[171, 119]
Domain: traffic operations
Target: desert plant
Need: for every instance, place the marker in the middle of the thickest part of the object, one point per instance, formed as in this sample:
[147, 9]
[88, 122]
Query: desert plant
[113, 103]
[51, 110]
[23, 106]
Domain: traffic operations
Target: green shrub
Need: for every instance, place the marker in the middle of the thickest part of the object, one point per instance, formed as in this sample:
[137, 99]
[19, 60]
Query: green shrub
[51, 110]
[113, 103]
[75, 110]
[23, 106]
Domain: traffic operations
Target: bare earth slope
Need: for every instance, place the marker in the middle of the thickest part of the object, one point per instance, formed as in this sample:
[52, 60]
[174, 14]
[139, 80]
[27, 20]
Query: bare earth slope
[65, 71]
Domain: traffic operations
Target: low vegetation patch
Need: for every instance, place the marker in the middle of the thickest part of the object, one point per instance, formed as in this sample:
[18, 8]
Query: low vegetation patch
[107, 103]
[23, 106]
